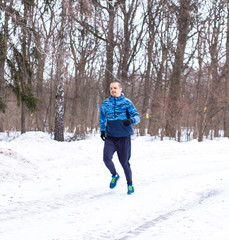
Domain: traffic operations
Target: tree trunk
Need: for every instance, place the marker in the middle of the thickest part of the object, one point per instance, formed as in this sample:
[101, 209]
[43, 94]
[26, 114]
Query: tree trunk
[213, 100]
[226, 108]
[3, 48]
[173, 111]
[59, 103]
[146, 97]
[23, 125]
[39, 89]
[109, 51]
[2, 73]
[126, 45]
[24, 73]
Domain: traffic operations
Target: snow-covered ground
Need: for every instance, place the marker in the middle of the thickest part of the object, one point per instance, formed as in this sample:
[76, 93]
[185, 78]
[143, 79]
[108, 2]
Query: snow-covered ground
[60, 190]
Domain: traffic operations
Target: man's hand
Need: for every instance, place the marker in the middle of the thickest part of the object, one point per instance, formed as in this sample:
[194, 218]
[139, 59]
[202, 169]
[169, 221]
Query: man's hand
[103, 135]
[127, 122]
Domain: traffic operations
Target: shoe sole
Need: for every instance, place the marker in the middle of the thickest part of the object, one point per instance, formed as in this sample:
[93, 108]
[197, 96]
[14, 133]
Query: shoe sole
[130, 193]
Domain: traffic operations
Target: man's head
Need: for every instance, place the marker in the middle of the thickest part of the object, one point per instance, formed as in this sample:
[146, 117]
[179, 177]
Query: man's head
[115, 89]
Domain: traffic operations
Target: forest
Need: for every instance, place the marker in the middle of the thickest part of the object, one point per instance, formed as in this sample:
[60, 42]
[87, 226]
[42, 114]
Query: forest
[58, 58]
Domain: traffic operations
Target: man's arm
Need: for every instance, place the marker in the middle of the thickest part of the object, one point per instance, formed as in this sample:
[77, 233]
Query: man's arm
[102, 119]
[134, 115]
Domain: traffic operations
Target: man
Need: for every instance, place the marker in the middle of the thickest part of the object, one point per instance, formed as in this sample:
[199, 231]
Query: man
[117, 115]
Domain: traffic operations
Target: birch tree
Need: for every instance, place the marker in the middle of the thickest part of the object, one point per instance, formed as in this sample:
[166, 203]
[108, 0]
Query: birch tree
[60, 74]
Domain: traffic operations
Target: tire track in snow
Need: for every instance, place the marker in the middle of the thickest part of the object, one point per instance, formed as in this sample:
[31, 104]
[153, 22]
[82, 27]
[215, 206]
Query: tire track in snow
[164, 217]
[31, 208]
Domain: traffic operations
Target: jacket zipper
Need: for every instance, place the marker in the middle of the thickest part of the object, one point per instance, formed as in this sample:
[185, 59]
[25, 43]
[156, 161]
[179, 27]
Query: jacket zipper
[114, 107]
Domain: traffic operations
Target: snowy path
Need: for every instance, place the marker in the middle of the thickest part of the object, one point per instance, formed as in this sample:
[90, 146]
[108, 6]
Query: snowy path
[59, 191]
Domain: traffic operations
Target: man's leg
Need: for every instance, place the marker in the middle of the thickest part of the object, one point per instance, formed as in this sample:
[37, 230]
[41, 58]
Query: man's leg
[108, 152]
[124, 152]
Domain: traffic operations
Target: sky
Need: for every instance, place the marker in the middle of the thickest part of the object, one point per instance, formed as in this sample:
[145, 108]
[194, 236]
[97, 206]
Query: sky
[53, 190]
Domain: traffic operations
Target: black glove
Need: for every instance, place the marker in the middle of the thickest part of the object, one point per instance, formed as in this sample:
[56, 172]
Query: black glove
[103, 135]
[127, 122]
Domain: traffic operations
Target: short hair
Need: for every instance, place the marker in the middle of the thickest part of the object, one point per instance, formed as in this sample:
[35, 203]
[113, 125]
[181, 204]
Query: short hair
[119, 83]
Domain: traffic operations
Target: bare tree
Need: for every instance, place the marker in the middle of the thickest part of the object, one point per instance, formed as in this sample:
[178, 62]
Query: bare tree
[109, 48]
[157, 56]
[3, 49]
[201, 88]
[109, 39]
[226, 76]
[174, 109]
[44, 32]
[210, 109]
[130, 39]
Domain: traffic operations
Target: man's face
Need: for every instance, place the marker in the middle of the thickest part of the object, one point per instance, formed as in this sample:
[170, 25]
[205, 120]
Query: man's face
[115, 90]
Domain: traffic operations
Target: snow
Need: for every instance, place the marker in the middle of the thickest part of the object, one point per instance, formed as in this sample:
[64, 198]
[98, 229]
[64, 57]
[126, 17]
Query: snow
[53, 190]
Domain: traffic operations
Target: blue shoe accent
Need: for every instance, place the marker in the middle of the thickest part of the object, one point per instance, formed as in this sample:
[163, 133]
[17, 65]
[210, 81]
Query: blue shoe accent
[114, 181]
[130, 189]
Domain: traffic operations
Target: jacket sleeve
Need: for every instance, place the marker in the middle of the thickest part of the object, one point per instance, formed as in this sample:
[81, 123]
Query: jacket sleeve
[133, 113]
[102, 119]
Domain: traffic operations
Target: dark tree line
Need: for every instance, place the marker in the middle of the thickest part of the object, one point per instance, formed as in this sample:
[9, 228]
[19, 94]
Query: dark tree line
[58, 58]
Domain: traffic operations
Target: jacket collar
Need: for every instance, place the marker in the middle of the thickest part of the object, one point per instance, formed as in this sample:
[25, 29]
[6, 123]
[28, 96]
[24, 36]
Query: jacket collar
[117, 98]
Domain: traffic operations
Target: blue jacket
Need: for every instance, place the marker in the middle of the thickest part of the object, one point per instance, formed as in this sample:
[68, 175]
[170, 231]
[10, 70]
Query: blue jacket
[113, 111]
